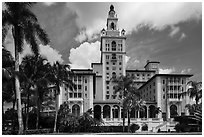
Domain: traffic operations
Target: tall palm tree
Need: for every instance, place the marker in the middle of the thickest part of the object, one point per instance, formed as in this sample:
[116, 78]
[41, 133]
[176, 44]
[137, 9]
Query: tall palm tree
[125, 86]
[25, 26]
[195, 90]
[34, 71]
[8, 94]
[60, 74]
[133, 101]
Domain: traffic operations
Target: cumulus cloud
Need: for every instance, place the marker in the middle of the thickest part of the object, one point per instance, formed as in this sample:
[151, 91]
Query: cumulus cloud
[48, 3]
[47, 51]
[166, 70]
[183, 36]
[174, 31]
[186, 71]
[84, 55]
[156, 15]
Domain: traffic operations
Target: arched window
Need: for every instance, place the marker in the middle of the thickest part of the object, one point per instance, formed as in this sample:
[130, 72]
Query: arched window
[113, 46]
[115, 111]
[106, 111]
[97, 112]
[152, 111]
[76, 110]
[112, 26]
[173, 111]
[113, 75]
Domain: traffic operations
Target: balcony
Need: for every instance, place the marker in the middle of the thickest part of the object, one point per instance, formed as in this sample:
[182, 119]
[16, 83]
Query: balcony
[114, 59]
[133, 119]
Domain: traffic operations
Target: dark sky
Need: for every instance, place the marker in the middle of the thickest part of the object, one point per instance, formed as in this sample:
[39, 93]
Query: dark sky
[167, 32]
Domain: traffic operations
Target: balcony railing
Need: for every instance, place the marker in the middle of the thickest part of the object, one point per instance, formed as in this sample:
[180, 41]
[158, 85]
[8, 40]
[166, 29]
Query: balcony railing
[133, 119]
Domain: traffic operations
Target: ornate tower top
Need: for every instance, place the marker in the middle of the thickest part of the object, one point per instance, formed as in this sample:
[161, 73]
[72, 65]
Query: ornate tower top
[112, 12]
[111, 8]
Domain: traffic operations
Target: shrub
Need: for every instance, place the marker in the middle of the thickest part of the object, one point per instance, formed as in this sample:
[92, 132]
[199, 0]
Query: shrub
[134, 127]
[145, 127]
[182, 127]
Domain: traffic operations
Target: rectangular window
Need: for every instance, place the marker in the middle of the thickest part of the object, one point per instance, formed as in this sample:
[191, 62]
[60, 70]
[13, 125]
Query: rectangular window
[163, 81]
[113, 63]
[120, 68]
[79, 86]
[120, 57]
[70, 95]
[107, 63]
[107, 47]
[164, 96]
[79, 95]
[107, 68]
[75, 78]
[107, 87]
[120, 63]
[85, 88]
[85, 80]
[107, 92]
[75, 95]
[79, 78]
[107, 56]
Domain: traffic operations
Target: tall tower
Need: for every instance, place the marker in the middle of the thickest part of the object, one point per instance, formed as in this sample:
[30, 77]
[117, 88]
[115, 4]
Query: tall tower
[112, 54]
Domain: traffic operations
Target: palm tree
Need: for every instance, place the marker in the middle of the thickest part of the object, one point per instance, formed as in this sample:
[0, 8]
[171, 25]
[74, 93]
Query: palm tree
[131, 102]
[195, 90]
[34, 71]
[24, 25]
[125, 86]
[8, 93]
[157, 110]
[60, 74]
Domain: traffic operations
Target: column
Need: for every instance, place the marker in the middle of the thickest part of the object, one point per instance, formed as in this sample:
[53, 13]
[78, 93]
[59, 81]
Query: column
[119, 112]
[111, 112]
[147, 112]
[101, 112]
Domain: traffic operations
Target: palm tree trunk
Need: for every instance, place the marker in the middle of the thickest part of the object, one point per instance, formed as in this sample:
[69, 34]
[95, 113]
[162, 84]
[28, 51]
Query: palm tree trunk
[14, 103]
[37, 111]
[123, 119]
[128, 113]
[17, 83]
[3, 121]
[56, 107]
[27, 113]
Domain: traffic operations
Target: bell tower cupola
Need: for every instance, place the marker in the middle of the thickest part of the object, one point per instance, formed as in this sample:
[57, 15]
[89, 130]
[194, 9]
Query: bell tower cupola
[112, 19]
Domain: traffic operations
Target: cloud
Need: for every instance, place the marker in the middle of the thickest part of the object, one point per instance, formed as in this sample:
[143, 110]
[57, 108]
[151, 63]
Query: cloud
[90, 32]
[49, 3]
[186, 71]
[183, 36]
[47, 51]
[156, 15]
[174, 31]
[166, 70]
[84, 55]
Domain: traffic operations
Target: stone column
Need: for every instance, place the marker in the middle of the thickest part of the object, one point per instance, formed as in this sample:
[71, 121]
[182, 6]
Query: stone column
[111, 113]
[101, 112]
[147, 112]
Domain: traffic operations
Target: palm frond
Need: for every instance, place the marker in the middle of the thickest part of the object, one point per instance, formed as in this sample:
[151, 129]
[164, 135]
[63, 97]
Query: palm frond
[42, 35]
